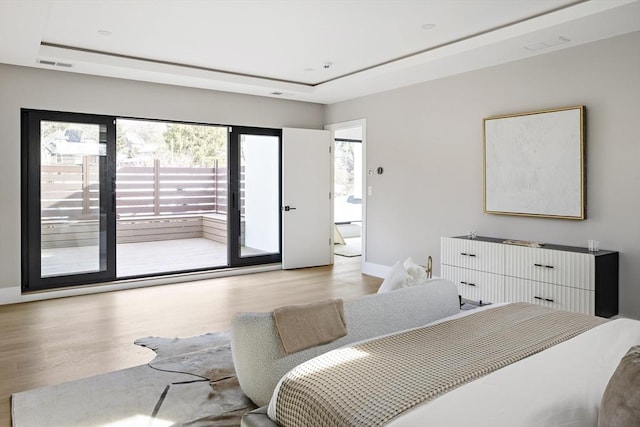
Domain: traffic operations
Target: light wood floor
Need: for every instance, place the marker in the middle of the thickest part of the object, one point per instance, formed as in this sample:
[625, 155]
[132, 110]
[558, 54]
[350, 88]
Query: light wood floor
[48, 342]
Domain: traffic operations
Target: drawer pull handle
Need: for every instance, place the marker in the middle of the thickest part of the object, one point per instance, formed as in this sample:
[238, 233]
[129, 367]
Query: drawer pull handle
[542, 265]
[466, 254]
[467, 283]
[544, 299]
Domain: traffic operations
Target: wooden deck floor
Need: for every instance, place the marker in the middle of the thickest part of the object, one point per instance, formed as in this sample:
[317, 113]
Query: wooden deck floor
[169, 255]
[48, 342]
[134, 259]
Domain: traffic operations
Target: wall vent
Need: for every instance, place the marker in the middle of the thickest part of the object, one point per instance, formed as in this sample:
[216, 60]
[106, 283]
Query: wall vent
[55, 64]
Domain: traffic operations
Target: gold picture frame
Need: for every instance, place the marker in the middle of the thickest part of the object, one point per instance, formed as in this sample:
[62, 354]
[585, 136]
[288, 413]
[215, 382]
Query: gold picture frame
[534, 164]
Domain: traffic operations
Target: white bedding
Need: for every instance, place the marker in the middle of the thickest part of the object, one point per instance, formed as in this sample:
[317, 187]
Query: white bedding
[561, 386]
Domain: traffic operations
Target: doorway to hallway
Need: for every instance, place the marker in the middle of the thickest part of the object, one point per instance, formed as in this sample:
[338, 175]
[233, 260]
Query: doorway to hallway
[348, 167]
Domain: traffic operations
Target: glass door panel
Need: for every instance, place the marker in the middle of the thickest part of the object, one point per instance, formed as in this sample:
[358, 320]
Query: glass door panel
[171, 197]
[260, 190]
[254, 195]
[71, 222]
[67, 199]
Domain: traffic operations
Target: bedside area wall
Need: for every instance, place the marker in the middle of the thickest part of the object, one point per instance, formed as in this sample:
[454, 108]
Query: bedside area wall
[429, 137]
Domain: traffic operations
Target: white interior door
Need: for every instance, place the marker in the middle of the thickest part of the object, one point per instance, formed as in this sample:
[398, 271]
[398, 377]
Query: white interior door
[306, 202]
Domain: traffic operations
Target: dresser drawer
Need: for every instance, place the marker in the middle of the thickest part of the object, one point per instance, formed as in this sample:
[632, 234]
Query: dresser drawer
[474, 254]
[544, 265]
[475, 285]
[549, 295]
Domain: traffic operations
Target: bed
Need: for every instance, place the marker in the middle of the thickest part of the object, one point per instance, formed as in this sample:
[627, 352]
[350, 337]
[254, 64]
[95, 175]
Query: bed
[560, 384]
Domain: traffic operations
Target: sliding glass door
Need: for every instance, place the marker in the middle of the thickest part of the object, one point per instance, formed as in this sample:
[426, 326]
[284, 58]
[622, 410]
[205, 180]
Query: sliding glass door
[68, 203]
[106, 198]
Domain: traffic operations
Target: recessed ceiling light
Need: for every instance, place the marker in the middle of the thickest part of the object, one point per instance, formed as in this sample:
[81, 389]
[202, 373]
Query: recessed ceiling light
[536, 46]
[548, 43]
[557, 41]
[428, 26]
[104, 32]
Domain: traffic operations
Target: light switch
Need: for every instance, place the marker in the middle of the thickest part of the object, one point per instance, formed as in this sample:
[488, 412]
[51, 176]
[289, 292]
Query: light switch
[369, 190]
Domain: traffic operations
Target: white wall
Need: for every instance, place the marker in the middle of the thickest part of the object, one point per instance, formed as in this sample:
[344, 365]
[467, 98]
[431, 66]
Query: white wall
[428, 138]
[51, 90]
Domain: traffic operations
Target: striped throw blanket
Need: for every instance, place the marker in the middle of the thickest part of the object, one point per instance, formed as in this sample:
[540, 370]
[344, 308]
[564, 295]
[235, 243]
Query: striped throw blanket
[371, 383]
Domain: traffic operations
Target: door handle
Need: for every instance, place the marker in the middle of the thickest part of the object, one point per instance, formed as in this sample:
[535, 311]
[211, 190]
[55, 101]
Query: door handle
[542, 265]
[113, 194]
[288, 208]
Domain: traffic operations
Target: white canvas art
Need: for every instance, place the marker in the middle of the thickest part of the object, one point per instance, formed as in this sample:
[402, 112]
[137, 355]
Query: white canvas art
[534, 164]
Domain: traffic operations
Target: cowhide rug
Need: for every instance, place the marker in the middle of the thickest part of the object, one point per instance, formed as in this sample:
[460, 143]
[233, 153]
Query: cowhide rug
[191, 382]
[208, 357]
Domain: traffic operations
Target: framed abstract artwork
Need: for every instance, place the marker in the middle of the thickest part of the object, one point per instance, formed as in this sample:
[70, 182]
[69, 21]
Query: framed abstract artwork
[534, 164]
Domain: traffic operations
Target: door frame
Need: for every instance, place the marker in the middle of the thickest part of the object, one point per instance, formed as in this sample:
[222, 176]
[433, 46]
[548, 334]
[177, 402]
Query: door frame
[234, 258]
[362, 124]
[30, 185]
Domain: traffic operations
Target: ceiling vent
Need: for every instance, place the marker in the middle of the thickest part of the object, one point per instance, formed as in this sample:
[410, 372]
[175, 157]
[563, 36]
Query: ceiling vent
[55, 64]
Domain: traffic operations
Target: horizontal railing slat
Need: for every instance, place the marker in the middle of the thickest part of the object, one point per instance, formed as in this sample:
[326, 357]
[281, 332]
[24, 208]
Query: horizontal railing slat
[179, 190]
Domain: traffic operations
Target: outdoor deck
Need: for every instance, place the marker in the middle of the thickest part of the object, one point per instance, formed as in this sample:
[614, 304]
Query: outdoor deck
[142, 258]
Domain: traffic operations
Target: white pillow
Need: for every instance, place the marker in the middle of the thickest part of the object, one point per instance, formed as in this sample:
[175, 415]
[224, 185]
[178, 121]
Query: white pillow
[395, 279]
[417, 274]
[403, 275]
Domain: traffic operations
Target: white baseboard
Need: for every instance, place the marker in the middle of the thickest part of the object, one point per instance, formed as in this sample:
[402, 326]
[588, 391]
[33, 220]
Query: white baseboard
[14, 295]
[9, 295]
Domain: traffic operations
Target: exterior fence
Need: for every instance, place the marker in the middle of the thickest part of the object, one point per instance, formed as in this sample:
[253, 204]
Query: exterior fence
[157, 191]
[71, 191]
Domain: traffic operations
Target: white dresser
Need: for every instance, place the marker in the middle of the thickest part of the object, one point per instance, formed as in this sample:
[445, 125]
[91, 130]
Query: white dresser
[564, 277]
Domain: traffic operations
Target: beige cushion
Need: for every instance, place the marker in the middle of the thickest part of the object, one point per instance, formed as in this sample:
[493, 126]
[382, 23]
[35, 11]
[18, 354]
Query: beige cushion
[620, 405]
[309, 325]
